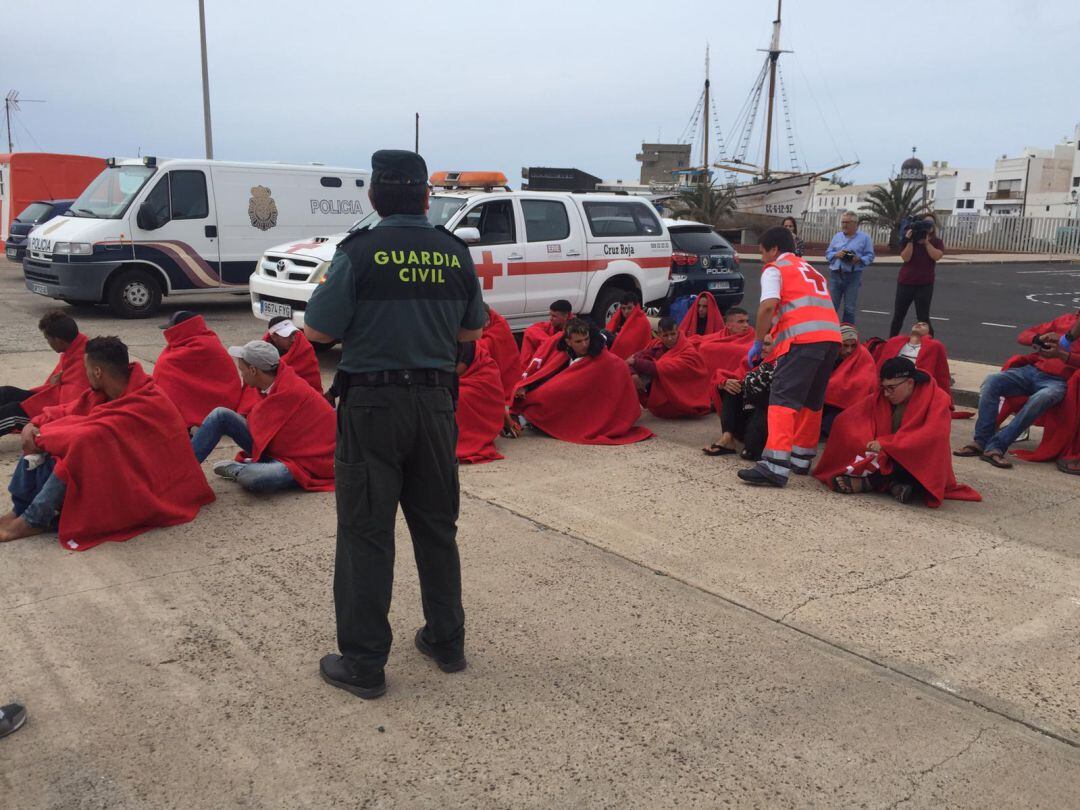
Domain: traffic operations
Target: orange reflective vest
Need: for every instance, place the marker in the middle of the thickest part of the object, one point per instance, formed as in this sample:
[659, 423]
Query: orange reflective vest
[806, 313]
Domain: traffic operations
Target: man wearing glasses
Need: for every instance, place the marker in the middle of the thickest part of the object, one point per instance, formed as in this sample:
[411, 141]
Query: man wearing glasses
[849, 253]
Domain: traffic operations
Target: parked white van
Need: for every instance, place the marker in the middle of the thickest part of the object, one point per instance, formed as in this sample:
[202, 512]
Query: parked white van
[149, 227]
[530, 248]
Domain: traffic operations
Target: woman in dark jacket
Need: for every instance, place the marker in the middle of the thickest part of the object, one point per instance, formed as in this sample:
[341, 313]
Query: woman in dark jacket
[793, 226]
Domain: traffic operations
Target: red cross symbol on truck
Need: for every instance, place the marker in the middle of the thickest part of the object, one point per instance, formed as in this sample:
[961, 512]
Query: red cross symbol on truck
[488, 269]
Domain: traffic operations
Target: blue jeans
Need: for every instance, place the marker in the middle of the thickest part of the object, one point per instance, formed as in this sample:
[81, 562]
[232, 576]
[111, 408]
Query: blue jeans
[844, 287]
[264, 475]
[37, 495]
[1043, 391]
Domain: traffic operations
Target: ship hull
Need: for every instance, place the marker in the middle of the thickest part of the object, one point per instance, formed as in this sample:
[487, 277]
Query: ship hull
[782, 197]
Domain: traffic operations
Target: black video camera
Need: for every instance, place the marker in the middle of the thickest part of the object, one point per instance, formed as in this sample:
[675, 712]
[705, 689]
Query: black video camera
[920, 229]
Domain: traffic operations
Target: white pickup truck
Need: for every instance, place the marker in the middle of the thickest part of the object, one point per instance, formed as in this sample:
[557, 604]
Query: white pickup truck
[530, 248]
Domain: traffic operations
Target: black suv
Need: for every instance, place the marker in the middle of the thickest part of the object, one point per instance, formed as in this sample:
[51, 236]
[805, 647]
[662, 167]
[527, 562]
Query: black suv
[704, 261]
[33, 215]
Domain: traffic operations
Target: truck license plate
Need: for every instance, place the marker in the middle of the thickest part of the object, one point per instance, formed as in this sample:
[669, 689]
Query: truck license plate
[719, 285]
[40, 289]
[273, 309]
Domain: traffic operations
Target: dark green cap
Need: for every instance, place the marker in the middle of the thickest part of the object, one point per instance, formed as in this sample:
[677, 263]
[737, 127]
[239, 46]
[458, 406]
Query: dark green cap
[398, 167]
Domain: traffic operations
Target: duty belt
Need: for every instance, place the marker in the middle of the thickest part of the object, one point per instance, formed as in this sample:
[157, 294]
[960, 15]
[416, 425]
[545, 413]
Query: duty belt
[420, 376]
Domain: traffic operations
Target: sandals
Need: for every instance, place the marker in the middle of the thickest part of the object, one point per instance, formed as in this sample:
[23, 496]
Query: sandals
[1071, 467]
[715, 449]
[846, 485]
[968, 451]
[997, 460]
[902, 492]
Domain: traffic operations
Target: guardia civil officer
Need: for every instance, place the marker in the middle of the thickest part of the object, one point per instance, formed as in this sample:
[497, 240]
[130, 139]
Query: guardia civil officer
[399, 296]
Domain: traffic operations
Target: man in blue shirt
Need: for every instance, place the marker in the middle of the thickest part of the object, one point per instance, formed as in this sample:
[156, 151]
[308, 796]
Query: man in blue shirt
[849, 253]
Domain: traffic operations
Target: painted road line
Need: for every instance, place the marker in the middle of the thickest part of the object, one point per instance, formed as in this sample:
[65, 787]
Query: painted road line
[1065, 272]
[936, 318]
[873, 312]
[1002, 325]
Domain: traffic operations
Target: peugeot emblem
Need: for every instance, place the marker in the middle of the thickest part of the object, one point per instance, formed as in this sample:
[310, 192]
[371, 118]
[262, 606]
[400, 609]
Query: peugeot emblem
[281, 266]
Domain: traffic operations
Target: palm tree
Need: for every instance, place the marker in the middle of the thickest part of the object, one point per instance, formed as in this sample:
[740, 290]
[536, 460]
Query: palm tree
[704, 203]
[891, 204]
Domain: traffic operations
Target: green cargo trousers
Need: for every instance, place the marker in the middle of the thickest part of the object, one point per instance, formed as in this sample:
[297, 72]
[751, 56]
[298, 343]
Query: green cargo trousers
[396, 444]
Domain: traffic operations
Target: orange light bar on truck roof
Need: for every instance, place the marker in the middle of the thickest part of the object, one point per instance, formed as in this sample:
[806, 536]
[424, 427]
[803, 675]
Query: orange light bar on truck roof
[468, 179]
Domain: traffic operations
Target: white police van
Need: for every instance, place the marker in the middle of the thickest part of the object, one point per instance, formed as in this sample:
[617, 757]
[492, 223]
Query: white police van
[530, 248]
[146, 228]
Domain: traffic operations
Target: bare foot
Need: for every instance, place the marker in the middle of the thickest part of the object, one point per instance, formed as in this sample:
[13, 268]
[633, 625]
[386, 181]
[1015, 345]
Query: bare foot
[17, 529]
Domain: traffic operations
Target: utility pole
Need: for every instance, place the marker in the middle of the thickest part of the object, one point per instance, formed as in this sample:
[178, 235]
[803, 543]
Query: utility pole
[205, 84]
[705, 131]
[12, 102]
[417, 149]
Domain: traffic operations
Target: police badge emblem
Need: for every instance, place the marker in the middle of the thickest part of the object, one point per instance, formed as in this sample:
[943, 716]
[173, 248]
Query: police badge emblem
[262, 210]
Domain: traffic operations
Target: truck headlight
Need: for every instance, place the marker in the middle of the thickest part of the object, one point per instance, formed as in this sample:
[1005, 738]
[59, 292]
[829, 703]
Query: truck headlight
[73, 248]
[319, 275]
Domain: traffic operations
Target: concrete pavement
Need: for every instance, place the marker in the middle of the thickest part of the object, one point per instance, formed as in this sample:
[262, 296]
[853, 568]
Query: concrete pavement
[643, 631]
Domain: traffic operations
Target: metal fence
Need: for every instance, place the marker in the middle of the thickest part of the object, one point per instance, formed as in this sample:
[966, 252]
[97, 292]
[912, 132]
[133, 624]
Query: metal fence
[960, 232]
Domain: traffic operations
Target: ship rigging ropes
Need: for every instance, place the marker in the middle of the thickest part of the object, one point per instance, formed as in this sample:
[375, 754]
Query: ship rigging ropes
[792, 151]
[747, 117]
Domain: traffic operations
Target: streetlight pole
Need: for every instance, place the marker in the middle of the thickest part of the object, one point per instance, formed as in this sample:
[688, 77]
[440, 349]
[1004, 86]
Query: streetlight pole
[205, 84]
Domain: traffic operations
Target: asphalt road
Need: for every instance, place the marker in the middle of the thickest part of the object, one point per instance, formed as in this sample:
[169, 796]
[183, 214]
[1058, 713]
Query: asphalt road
[978, 310]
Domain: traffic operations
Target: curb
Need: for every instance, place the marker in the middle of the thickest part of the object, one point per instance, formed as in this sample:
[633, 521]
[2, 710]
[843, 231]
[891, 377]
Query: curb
[968, 399]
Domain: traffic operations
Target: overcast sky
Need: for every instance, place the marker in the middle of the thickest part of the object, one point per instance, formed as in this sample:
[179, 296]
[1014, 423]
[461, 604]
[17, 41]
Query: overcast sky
[501, 85]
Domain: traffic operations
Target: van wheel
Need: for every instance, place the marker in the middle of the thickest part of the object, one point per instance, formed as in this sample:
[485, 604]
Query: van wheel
[606, 304]
[134, 294]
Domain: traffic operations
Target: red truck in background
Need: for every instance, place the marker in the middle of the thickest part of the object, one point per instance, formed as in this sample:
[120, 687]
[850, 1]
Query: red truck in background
[29, 176]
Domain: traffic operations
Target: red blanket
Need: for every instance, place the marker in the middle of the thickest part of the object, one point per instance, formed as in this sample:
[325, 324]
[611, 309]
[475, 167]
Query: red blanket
[298, 427]
[196, 372]
[301, 357]
[714, 321]
[500, 344]
[633, 336]
[932, 359]
[72, 370]
[920, 446]
[480, 409]
[127, 463]
[722, 351]
[532, 339]
[721, 376]
[592, 401]
[853, 380]
[681, 385]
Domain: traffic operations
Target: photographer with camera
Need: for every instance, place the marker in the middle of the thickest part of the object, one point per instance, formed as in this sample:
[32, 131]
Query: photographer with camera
[921, 250]
[848, 254]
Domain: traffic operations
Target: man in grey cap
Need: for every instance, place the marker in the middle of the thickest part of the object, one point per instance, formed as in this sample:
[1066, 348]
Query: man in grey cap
[400, 296]
[258, 363]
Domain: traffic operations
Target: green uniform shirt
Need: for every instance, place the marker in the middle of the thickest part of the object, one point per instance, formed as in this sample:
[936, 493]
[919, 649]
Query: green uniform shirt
[396, 295]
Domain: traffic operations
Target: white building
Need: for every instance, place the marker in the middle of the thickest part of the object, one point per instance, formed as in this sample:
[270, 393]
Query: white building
[840, 198]
[1037, 182]
[953, 190]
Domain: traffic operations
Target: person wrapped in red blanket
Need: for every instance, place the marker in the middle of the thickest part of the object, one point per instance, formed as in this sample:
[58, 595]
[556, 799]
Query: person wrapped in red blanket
[628, 330]
[539, 333]
[670, 376]
[1069, 459]
[109, 465]
[927, 353]
[194, 370]
[287, 439]
[296, 350]
[499, 342]
[481, 408]
[726, 350]
[854, 378]
[1033, 385]
[581, 393]
[703, 318]
[66, 382]
[895, 441]
[741, 400]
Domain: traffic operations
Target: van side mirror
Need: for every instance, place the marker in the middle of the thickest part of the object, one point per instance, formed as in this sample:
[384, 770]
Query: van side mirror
[470, 236]
[147, 218]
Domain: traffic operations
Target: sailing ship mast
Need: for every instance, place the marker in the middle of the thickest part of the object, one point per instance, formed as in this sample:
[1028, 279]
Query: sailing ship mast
[774, 56]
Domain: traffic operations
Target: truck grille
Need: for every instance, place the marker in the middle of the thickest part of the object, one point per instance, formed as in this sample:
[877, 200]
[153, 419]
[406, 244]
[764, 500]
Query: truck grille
[38, 275]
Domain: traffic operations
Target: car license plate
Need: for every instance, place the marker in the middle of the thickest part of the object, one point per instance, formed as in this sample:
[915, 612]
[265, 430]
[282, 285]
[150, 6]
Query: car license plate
[12, 253]
[273, 309]
[40, 289]
[719, 285]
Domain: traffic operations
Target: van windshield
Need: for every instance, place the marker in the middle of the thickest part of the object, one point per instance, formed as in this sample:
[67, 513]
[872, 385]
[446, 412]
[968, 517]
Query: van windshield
[440, 210]
[111, 192]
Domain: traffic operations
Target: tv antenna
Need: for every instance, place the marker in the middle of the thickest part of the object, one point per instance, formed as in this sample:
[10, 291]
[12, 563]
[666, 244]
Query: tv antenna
[12, 102]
